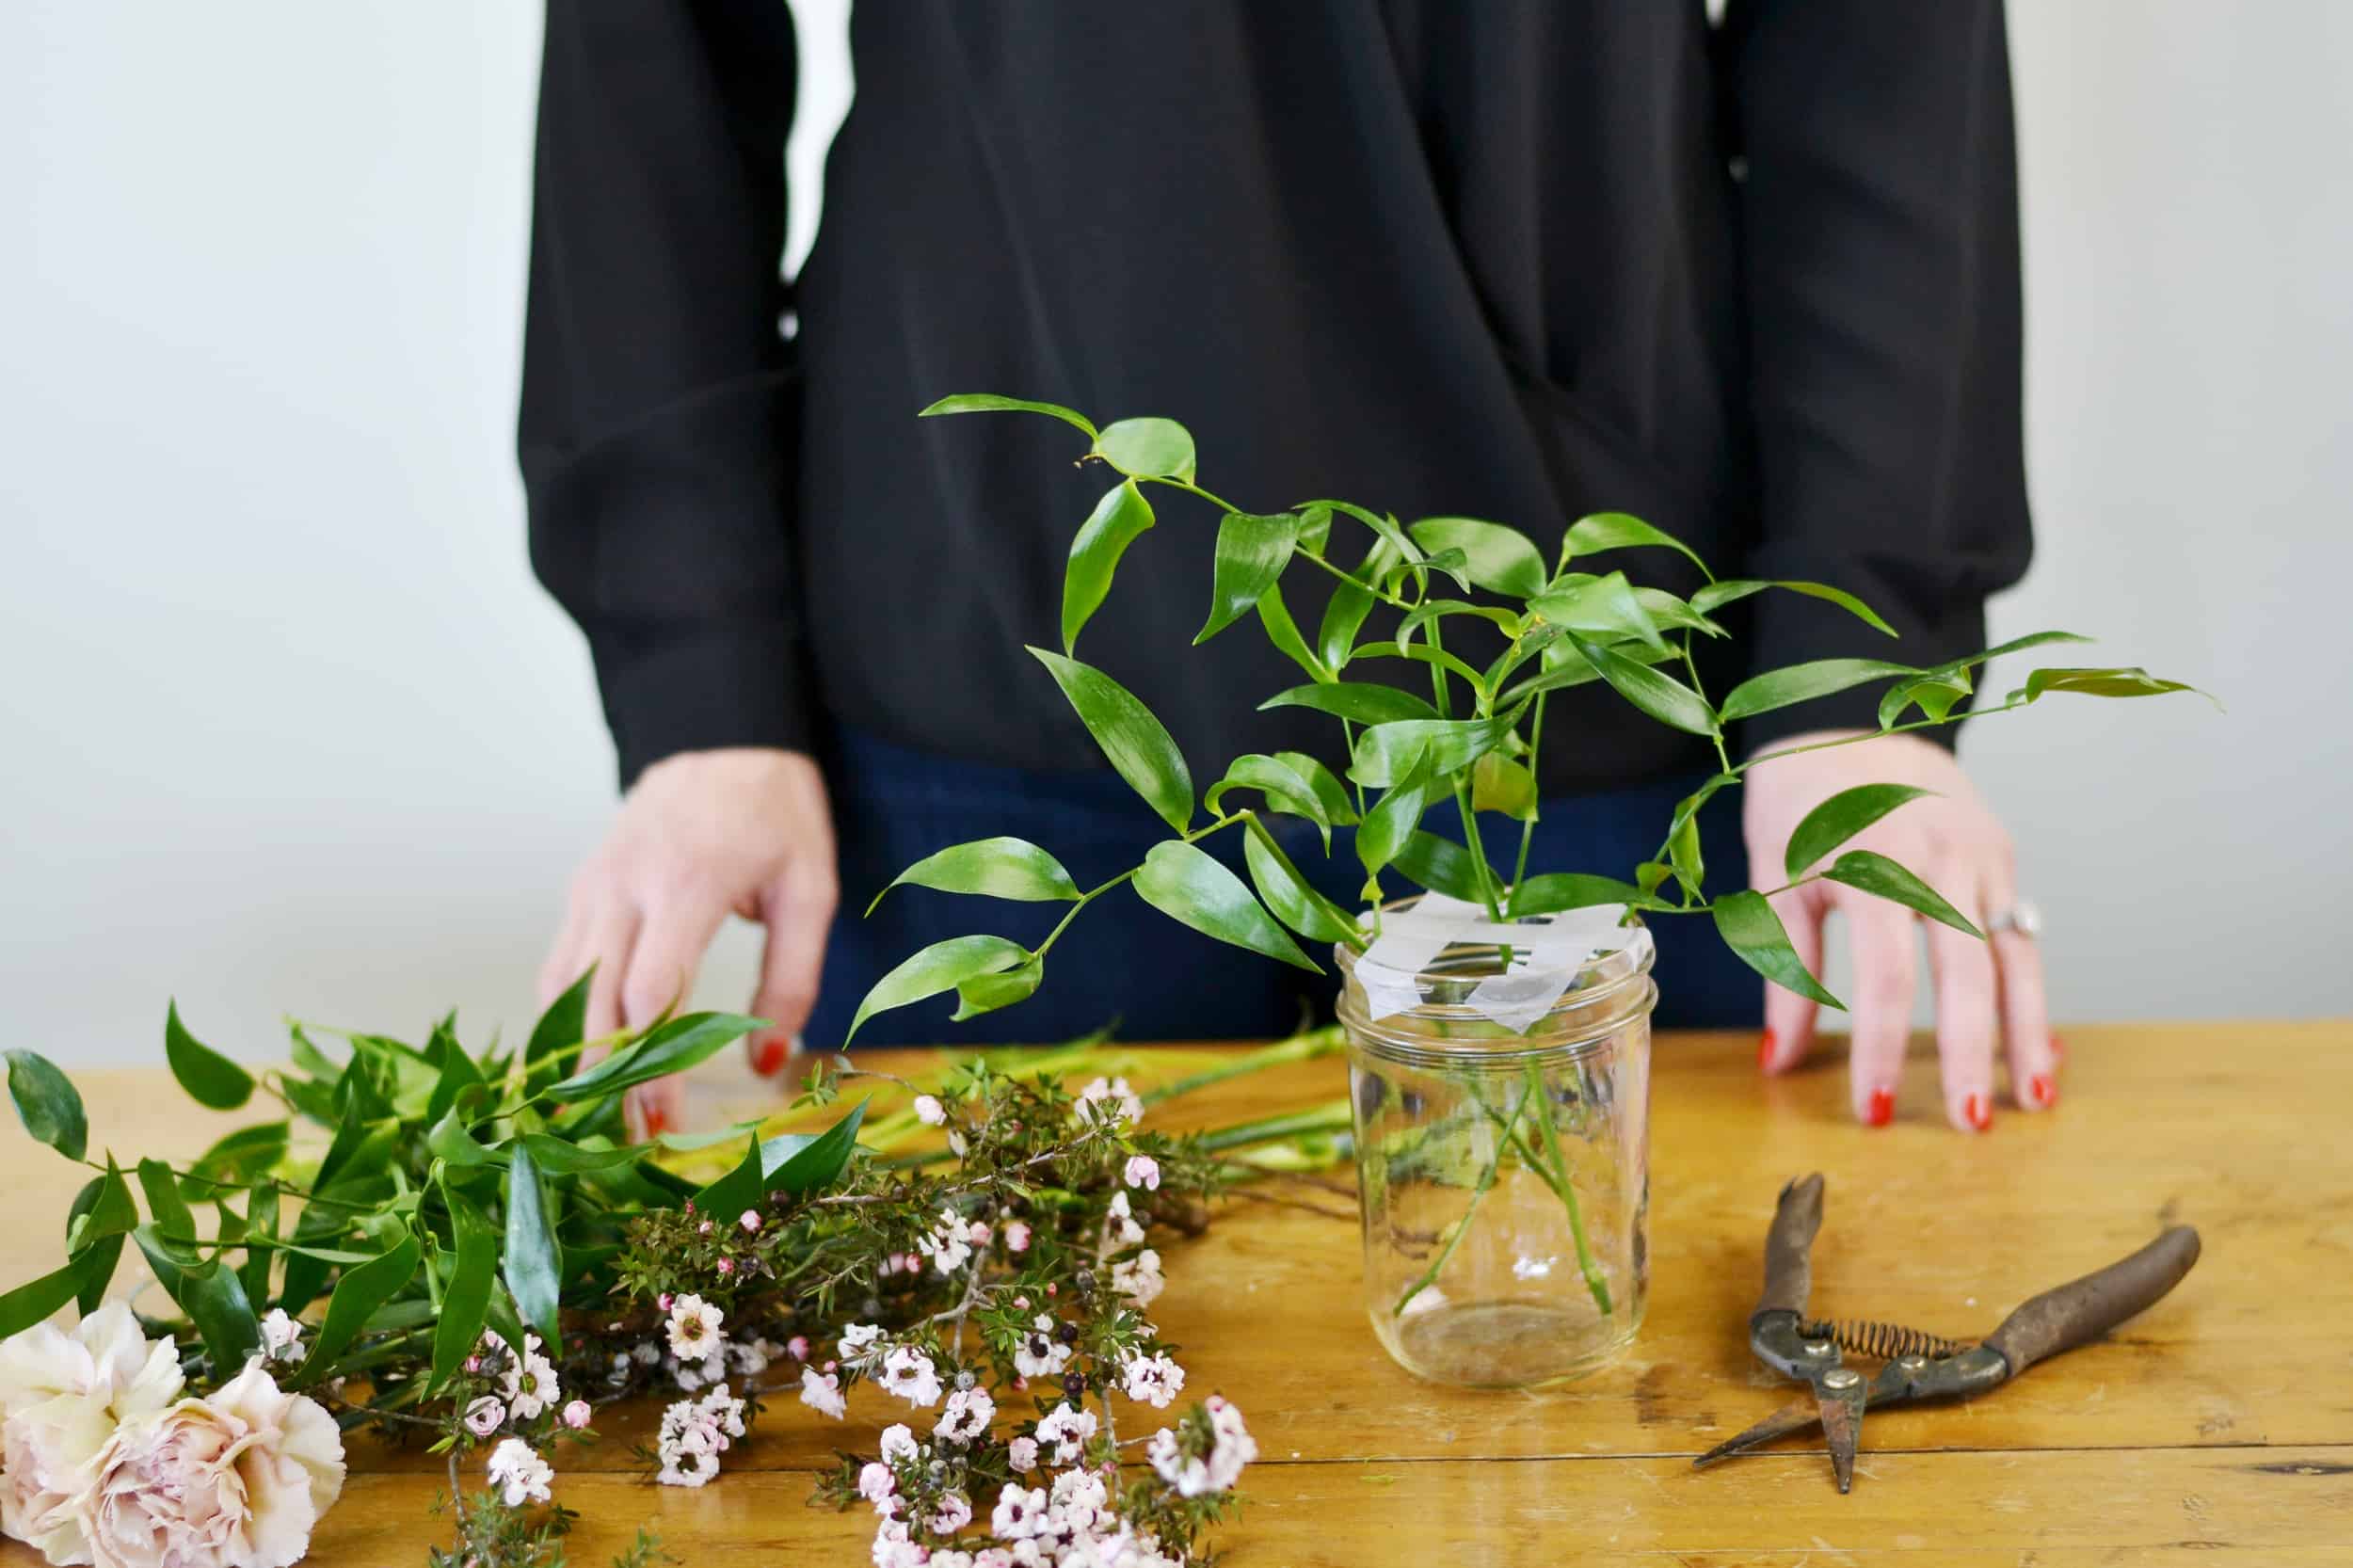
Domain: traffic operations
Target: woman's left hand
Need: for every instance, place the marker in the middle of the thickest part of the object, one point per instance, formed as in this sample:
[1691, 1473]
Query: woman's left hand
[1954, 842]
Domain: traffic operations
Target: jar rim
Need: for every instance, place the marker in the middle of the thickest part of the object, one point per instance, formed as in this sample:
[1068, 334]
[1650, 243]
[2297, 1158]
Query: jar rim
[1610, 990]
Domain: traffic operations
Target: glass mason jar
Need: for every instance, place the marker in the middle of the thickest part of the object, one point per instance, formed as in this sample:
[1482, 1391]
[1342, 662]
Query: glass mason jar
[1504, 1174]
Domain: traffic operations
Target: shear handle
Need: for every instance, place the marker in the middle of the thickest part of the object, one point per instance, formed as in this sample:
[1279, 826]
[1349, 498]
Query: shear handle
[2079, 1312]
[1788, 1267]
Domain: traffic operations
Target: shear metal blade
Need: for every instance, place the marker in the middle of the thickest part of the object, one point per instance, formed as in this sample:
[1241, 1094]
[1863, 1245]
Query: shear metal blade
[1788, 1419]
[1842, 1426]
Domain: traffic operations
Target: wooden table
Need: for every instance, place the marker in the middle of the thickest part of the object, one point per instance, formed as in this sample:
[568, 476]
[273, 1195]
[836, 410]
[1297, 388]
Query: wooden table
[2216, 1429]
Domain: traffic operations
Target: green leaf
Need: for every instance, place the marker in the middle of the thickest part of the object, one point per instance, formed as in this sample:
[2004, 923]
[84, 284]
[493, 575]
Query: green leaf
[941, 967]
[1118, 519]
[563, 1156]
[209, 1078]
[1555, 891]
[1499, 784]
[1718, 594]
[533, 1276]
[357, 1295]
[1284, 788]
[996, 868]
[1747, 924]
[1315, 530]
[800, 1164]
[978, 403]
[450, 1141]
[987, 993]
[261, 1209]
[1289, 894]
[1148, 449]
[1506, 621]
[466, 1299]
[2019, 645]
[1424, 653]
[33, 1301]
[683, 1042]
[48, 1104]
[1936, 693]
[1683, 854]
[1189, 886]
[1453, 563]
[1663, 697]
[1839, 819]
[1137, 746]
[163, 1201]
[1675, 614]
[1617, 531]
[2102, 682]
[1780, 688]
[1360, 702]
[733, 1190]
[1339, 810]
[1564, 666]
[245, 1154]
[1252, 552]
[1442, 866]
[212, 1296]
[1384, 751]
[459, 1074]
[1604, 608]
[1392, 818]
[564, 1024]
[102, 1209]
[1884, 878]
[1344, 613]
[1283, 632]
[1498, 559]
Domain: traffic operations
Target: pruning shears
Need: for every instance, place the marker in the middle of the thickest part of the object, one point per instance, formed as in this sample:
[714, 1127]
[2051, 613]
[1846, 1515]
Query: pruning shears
[1918, 1366]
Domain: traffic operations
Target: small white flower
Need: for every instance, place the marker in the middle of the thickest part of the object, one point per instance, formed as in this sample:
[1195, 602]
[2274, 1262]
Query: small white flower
[969, 1413]
[750, 1221]
[1143, 1171]
[1067, 1429]
[695, 1328]
[857, 1339]
[1139, 1279]
[978, 1232]
[485, 1416]
[724, 1412]
[1021, 1454]
[821, 1393]
[1153, 1379]
[1018, 1236]
[1109, 1101]
[952, 1514]
[648, 1352]
[530, 1382]
[949, 1244]
[908, 1374]
[1122, 1225]
[1019, 1512]
[577, 1414]
[898, 1442]
[1041, 1353]
[894, 1548]
[520, 1475]
[281, 1336]
[877, 1485]
[1079, 1495]
[929, 1111]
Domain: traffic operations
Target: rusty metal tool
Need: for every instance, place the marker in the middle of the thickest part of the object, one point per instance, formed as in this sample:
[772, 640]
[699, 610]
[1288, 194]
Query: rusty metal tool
[1918, 1366]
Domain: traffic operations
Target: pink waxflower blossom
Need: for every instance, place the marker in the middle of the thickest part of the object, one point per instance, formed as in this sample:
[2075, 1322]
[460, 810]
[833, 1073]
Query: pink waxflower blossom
[821, 1393]
[485, 1416]
[576, 1415]
[951, 1515]
[1021, 1454]
[727, 1266]
[979, 1233]
[798, 1347]
[518, 1474]
[703, 1229]
[1018, 1238]
[876, 1484]
[1143, 1171]
[750, 1221]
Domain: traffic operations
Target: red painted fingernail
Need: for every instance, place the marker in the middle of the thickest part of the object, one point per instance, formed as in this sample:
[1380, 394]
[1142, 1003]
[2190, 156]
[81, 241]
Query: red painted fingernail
[2058, 1049]
[769, 1060]
[1883, 1108]
[1764, 1049]
[2042, 1091]
[656, 1123]
[1979, 1111]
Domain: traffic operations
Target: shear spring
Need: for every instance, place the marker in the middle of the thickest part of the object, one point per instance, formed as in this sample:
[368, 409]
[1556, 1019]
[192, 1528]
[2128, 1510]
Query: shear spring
[1886, 1341]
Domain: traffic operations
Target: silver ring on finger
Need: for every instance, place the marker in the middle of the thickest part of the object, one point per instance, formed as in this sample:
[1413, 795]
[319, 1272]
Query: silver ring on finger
[2021, 918]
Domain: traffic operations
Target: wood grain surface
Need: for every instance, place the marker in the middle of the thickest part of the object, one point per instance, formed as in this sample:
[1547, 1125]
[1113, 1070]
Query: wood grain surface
[2216, 1428]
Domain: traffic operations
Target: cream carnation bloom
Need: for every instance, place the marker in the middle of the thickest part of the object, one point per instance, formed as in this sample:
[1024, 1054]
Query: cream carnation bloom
[61, 1397]
[238, 1480]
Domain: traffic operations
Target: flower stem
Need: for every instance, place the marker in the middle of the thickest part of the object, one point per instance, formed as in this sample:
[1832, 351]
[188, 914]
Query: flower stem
[1461, 1226]
[1594, 1280]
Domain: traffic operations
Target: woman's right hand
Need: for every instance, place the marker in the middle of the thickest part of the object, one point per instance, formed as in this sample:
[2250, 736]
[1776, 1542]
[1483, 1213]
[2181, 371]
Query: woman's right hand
[702, 834]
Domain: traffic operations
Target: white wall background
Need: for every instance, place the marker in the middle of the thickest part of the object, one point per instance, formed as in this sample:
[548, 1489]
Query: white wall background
[285, 726]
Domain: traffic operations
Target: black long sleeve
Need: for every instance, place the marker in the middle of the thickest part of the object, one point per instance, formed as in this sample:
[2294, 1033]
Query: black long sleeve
[657, 429]
[1880, 255]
